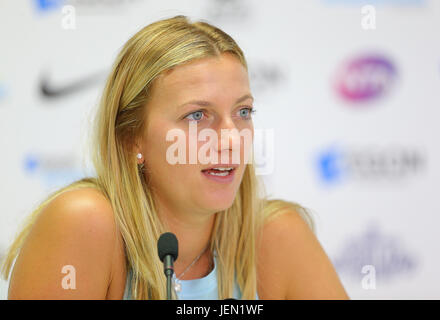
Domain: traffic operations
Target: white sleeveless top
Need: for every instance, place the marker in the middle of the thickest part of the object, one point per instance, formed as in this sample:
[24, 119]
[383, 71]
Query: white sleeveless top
[196, 289]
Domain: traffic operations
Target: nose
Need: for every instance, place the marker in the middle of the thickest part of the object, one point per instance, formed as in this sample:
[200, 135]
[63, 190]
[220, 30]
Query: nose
[228, 140]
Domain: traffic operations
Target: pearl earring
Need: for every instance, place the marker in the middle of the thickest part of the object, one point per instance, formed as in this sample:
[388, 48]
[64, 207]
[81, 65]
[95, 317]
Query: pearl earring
[139, 155]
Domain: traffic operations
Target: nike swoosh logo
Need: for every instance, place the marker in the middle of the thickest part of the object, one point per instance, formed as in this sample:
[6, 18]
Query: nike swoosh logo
[50, 90]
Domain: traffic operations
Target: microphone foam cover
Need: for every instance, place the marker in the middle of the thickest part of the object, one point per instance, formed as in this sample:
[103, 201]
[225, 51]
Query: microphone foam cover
[167, 245]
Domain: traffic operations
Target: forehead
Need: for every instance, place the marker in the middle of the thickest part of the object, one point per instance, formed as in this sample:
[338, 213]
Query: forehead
[207, 77]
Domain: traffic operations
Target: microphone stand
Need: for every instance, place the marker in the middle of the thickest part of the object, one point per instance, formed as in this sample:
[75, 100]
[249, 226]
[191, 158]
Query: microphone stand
[169, 270]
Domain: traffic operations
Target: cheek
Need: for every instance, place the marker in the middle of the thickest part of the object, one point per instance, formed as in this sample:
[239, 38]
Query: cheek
[246, 143]
[156, 147]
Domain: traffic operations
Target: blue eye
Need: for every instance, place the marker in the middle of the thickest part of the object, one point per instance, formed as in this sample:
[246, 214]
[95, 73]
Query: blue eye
[246, 112]
[197, 115]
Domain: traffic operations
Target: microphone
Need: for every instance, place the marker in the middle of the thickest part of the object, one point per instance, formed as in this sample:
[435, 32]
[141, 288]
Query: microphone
[168, 247]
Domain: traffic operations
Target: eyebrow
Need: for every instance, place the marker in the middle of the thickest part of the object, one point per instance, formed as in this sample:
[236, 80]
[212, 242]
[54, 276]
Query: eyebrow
[205, 103]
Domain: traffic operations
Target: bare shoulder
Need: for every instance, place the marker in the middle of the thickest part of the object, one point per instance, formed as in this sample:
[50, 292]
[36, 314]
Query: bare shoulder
[71, 250]
[292, 263]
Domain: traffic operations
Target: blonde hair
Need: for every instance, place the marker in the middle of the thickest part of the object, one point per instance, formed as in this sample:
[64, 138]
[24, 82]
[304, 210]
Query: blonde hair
[120, 119]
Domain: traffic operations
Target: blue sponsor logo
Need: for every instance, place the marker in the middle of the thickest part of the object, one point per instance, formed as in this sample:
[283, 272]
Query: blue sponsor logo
[47, 5]
[90, 6]
[335, 164]
[52, 171]
[330, 165]
[385, 253]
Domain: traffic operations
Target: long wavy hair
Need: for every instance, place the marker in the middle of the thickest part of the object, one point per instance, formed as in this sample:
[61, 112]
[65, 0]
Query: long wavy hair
[119, 120]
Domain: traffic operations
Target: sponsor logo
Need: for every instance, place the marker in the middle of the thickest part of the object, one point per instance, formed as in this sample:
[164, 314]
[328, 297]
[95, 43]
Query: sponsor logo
[48, 5]
[331, 165]
[264, 77]
[365, 78]
[337, 165]
[85, 6]
[385, 253]
[51, 89]
[52, 170]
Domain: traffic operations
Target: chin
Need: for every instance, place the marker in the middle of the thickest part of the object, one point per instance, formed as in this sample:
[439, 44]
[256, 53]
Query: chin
[219, 204]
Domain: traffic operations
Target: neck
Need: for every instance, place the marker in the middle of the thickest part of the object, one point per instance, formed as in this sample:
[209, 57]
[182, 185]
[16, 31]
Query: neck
[193, 232]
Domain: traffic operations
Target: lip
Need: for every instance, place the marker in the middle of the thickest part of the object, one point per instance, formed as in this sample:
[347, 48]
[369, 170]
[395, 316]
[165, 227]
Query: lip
[227, 179]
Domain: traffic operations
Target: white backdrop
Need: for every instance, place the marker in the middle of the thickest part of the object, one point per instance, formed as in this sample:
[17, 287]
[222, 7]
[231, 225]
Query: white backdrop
[354, 113]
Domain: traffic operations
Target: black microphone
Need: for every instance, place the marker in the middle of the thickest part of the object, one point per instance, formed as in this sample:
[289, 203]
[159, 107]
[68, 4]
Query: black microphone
[168, 248]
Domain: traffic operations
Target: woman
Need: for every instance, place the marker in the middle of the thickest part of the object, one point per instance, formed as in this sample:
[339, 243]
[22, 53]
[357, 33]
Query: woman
[102, 232]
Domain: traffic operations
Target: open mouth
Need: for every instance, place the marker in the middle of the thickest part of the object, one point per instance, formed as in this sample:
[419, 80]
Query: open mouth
[219, 172]
[223, 174]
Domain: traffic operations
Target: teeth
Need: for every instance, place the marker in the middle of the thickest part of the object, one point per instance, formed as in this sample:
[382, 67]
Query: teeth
[223, 174]
[223, 171]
